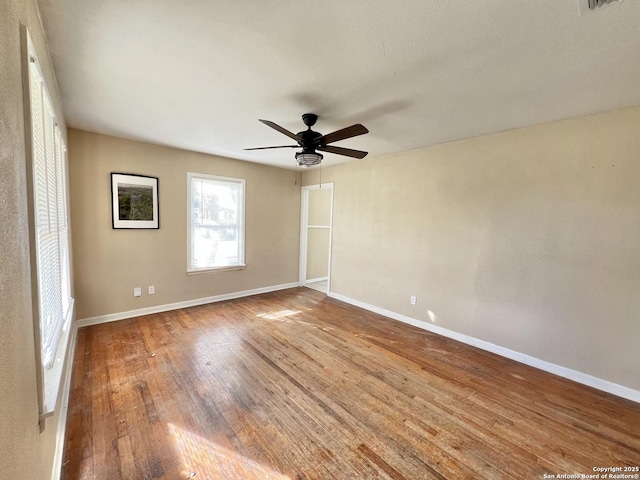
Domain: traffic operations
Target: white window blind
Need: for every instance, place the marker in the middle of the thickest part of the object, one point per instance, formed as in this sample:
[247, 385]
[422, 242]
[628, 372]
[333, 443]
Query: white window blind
[50, 219]
[216, 222]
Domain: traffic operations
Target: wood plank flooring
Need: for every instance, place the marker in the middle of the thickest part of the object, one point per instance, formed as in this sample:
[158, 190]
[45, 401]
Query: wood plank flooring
[294, 385]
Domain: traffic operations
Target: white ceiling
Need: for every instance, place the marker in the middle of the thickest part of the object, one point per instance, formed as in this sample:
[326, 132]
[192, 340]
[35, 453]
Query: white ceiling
[197, 74]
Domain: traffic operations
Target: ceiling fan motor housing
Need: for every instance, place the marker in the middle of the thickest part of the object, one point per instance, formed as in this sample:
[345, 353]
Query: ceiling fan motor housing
[310, 139]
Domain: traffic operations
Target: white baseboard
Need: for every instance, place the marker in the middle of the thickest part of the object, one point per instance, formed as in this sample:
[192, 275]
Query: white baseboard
[583, 378]
[113, 317]
[319, 279]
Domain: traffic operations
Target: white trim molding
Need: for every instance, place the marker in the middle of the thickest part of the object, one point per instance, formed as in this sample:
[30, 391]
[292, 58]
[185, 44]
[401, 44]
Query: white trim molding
[114, 317]
[579, 377]
[319, 279]
[304, 227]
[64, 403]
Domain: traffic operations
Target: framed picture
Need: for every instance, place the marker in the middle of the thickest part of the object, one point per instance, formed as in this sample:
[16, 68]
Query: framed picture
[134, 201]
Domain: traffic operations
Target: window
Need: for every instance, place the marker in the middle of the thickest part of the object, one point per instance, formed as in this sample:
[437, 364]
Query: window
[216, 223]
[49, 234]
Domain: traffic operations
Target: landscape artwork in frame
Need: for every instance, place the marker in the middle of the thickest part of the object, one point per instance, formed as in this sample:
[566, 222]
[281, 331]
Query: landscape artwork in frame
[134, 201]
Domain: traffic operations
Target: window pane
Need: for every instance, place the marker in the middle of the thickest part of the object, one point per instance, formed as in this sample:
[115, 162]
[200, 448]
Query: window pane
[217, 237]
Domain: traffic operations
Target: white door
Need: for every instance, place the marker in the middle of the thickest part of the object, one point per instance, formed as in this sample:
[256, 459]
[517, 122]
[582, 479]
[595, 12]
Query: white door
[315, 236]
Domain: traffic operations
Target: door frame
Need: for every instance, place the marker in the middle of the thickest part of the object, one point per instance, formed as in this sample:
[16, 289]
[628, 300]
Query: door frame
[304, 226]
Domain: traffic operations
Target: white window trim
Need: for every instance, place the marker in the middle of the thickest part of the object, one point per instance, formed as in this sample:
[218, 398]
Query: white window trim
[304, 232]
[226, 268]
[49, 375]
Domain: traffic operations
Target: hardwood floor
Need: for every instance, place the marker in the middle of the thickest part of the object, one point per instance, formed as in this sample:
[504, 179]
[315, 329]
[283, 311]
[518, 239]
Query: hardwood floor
[296, 385]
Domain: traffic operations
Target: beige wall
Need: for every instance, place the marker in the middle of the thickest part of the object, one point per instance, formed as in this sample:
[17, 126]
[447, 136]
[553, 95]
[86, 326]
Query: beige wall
[528, 239]
[25, 452]
[318, 240]
[317, 253]
[110, 263]
[320, 207]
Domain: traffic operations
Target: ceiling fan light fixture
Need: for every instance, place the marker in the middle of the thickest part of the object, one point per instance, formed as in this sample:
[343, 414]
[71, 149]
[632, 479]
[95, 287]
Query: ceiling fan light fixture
[308, 159]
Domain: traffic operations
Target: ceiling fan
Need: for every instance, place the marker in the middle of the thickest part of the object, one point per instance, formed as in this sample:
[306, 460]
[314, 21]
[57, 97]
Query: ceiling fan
[311, 141]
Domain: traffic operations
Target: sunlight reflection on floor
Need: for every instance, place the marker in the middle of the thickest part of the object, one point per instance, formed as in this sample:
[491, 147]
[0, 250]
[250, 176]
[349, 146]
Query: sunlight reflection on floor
[278, 315]
[203, 459]
[283, 316]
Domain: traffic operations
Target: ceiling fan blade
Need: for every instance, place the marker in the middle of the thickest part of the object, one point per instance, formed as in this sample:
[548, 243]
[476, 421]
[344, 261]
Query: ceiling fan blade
[348, 152]
[277, 127]
[348, 132]
[280, 146]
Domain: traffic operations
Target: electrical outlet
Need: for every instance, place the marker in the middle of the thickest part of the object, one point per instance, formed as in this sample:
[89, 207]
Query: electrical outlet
[152, 289]
[413, 300]
[137, 292]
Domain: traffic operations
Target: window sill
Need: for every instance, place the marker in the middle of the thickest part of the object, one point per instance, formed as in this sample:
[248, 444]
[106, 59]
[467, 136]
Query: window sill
[53, 375]
[213, 271]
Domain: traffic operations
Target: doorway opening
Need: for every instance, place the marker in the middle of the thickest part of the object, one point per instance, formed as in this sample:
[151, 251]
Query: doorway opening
[315, 236]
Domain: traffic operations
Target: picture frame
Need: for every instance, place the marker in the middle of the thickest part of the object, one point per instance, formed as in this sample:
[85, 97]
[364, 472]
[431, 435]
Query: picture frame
[134, 201]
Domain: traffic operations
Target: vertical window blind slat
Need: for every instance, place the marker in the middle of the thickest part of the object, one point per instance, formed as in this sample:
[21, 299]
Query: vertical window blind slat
[51, 226]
